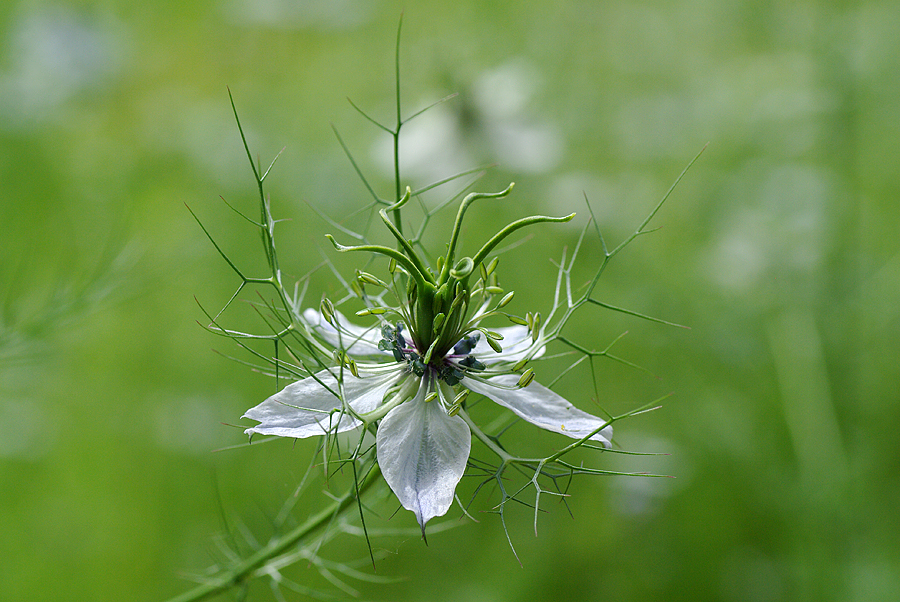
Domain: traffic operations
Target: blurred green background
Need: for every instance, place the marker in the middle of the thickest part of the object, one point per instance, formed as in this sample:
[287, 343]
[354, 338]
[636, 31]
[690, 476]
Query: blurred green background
[779, 249]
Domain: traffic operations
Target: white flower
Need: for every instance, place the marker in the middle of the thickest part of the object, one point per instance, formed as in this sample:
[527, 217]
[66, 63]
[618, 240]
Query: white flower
[422, 443]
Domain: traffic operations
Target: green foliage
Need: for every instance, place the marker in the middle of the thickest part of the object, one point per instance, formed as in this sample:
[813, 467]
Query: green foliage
[780, 252]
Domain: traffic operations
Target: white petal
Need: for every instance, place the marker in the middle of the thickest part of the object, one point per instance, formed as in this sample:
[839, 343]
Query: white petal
[541, 407]
[304, 408]
[422, 453]
[516, 344]
[357, 340]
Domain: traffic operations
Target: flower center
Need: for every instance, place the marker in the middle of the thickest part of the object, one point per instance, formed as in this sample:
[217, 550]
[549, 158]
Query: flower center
[450, 368]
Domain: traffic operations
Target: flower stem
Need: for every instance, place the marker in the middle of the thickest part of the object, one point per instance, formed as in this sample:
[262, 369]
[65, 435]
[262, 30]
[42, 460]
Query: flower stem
[488, 442]
[398, 222]
[278, 545]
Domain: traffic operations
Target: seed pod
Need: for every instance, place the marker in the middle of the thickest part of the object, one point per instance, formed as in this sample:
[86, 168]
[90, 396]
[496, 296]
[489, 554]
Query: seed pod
[438, 322]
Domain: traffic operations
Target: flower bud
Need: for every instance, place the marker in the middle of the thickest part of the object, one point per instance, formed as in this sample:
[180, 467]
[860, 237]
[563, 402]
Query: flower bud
[461, 397]
[491, 267]
[505, 300]
[367, 278]
[456, 406]
[494, 344]
[536, 326]
[526, 378]
[327, 310]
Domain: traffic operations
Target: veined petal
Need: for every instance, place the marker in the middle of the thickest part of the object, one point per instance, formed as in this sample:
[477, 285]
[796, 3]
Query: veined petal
[516, 344]
[357, 340]
[422, 453]
[307, 408]
[541, 407]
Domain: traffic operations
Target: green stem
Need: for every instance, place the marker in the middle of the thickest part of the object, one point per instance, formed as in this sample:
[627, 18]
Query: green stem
[488, 442]
[278, 545]
[398, 222]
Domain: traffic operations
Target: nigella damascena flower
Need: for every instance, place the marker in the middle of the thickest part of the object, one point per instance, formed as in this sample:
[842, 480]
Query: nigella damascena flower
[410, 376]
